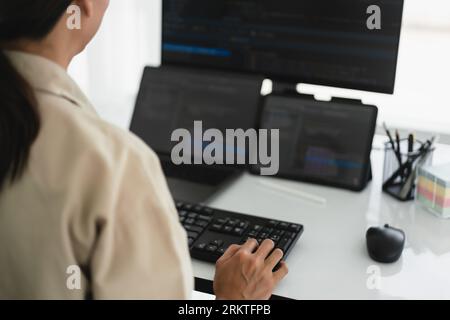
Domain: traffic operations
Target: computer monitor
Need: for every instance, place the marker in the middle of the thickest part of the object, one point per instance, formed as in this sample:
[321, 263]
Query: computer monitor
[325, 42]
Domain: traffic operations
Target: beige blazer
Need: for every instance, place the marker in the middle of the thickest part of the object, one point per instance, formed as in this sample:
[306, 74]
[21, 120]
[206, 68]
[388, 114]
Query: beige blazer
[92, 199]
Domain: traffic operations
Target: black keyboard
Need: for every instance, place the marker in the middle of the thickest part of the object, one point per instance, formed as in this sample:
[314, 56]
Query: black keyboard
[211, 231]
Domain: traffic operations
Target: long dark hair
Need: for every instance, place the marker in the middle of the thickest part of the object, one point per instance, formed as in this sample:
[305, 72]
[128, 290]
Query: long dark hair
[19, 118]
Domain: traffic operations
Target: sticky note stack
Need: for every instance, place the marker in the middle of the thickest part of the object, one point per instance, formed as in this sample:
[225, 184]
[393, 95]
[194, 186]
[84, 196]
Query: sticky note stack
[433, 189]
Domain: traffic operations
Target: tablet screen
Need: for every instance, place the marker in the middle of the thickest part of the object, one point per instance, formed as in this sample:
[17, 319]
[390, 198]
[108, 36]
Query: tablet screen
[322, 141]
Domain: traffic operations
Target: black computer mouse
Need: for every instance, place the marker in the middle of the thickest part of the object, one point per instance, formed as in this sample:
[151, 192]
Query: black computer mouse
[385, 244]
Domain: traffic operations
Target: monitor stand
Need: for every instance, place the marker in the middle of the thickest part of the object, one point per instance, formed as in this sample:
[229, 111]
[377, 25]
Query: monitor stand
[288, 89]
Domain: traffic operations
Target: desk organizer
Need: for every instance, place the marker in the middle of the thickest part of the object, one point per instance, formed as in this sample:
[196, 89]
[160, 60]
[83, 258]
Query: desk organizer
[433, 189]
[401, 168]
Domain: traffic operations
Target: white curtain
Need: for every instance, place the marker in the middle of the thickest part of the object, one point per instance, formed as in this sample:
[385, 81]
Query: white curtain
[110, 70]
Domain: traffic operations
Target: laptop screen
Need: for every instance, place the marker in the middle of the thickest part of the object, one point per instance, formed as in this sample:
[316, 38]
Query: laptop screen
[172, 98]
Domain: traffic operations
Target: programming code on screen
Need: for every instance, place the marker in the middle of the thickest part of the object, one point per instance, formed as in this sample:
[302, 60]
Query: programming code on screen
[311, 41]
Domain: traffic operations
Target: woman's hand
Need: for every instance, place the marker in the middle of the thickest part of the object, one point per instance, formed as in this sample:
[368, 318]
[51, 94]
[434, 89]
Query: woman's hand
[243, 273]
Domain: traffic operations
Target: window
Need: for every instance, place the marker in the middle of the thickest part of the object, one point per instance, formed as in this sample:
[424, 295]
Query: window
[109, 71]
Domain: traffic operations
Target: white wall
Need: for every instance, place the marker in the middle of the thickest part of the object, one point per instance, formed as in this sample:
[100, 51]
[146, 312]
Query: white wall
[130, 38]
[110, 69]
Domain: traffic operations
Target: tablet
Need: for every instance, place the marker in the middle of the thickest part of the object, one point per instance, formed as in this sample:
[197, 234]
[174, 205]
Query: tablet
[322, 142]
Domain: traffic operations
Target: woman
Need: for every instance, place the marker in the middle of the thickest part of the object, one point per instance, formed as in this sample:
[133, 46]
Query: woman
[77, 192]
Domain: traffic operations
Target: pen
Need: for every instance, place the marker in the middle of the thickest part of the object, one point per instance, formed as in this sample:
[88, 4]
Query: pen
[410, 150]
[394, 149]
[397, 137]
[410, 143]
[425, 152]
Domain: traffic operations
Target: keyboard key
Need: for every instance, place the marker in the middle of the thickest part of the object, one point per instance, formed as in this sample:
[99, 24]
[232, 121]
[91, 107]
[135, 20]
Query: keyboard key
[238, 231]
[182, 213]
[190, 241]
[189, 221]
[283, 225]
[264, 235]
[216, 227]
[295, 227]
[284, 244]
[221, 251]
[182, 219]
[192, 234]
[275, 238]
[276, 233]
[273, 223]
[192, 215]
[221, 221]
[228, 229]
[193, 228]
[198, 208]
[201, 223]
[201, 246]
[267, 230]
[243, 224]
[204, 218]
[208, 211]
[257, 227]
[211, 248]
[233, 222]
[289, 235]
[179, 205]
[217, 243]
[252, 234]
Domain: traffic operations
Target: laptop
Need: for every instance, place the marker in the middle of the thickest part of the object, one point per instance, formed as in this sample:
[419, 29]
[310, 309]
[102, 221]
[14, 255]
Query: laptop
[171, 98]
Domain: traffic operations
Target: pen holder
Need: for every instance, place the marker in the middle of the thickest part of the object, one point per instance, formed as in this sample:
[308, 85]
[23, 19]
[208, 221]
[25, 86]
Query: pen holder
[400, 168]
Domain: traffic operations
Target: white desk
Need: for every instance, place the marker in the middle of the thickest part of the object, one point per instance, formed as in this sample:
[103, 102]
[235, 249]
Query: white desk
[330, 260]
